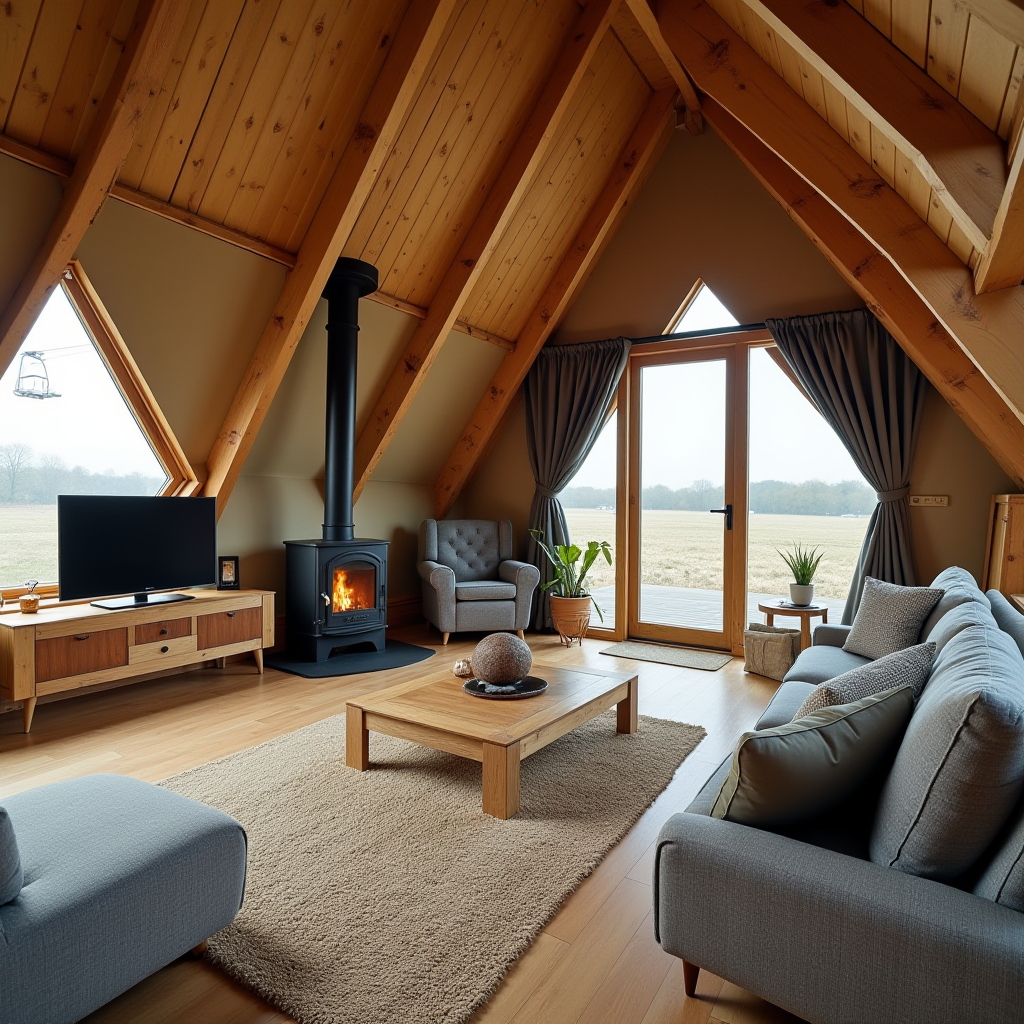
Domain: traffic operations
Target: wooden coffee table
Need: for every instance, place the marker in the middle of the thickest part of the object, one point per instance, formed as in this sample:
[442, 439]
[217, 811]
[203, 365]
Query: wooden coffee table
[435, 712]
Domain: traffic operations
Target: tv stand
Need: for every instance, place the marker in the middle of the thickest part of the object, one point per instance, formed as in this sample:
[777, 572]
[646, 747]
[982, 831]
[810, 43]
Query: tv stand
[63, 649]
[140, 601]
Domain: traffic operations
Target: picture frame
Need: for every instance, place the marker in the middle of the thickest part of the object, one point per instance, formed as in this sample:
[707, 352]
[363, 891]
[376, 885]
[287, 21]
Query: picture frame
[227, 572]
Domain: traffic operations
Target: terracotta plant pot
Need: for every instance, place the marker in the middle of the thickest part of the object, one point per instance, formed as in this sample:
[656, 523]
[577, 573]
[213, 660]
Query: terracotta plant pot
[800, 594]
[571, 616]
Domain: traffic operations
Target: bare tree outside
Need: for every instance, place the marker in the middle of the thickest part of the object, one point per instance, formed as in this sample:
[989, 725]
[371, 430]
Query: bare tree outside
[14, 460]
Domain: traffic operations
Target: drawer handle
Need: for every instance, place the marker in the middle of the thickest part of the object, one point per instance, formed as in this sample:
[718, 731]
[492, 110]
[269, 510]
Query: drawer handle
[84, 636]
[164, 650]
[230, 615]
[163, 632]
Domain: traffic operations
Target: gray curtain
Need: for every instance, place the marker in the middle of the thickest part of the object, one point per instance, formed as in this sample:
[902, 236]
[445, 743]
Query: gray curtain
[871, 394]
[569, 391]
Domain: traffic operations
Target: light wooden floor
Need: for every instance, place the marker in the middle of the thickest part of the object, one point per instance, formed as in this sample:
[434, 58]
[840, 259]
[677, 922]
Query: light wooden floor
[596, 961]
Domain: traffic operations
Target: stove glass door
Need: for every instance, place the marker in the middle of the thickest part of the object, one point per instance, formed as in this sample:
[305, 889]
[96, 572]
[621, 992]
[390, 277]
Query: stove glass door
[353, 587]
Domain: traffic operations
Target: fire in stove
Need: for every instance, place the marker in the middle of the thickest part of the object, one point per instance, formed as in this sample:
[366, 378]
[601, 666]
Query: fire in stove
[353, 589]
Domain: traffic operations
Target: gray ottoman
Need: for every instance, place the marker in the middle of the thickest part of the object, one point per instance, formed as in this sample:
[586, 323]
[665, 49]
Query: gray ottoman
[120, 879]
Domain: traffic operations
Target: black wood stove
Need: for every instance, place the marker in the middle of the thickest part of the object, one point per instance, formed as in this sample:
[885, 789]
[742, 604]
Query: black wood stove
[336, 587]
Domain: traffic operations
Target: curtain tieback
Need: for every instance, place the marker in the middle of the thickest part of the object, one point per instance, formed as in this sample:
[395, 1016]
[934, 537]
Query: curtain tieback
[546, 492]
[899, 492]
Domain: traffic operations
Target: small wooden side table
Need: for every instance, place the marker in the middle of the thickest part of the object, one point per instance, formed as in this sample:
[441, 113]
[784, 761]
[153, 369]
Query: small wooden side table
[802, 612]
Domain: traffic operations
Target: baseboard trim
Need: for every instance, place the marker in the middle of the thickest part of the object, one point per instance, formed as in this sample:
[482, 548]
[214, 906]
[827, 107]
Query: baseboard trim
[405, 611]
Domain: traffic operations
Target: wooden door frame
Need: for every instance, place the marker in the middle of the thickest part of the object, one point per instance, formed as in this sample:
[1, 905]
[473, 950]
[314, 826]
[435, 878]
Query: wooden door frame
[735, 346]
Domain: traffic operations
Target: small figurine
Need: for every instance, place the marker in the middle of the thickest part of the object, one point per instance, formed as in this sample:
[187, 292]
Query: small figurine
[29, 602]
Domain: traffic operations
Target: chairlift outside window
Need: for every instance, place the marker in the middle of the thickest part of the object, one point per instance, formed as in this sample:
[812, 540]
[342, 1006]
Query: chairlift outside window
[33, 379]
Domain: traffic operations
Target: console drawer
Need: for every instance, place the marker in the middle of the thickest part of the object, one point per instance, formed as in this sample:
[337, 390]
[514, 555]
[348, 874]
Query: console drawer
[78, 653]
[223, 628]
[162, 650]
[164, 630]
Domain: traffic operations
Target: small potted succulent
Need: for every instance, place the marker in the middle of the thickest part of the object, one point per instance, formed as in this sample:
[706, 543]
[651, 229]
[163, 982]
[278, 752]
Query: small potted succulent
[570, 599]
[803, 564]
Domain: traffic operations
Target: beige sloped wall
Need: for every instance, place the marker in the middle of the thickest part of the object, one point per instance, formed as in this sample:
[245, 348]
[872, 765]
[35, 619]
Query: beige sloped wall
[703, 215]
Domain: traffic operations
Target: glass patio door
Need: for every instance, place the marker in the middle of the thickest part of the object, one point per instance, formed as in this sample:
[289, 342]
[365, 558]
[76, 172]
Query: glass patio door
[685, 515]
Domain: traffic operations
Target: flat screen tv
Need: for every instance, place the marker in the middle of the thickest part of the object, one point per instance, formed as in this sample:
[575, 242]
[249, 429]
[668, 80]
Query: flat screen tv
[109, 545]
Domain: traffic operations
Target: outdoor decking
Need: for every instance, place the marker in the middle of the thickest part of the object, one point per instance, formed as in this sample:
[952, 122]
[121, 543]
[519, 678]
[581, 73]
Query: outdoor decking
[699, 609]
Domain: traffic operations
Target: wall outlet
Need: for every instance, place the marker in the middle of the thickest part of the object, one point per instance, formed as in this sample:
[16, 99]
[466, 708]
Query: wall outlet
[929, 499]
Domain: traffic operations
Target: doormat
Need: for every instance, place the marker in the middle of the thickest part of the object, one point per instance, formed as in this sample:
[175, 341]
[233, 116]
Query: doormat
[684, 657]
[395, 655]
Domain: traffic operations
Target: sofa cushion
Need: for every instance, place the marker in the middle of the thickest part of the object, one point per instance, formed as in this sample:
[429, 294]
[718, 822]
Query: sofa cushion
[959, 588]
[788, 697]
[817, 664]
[795, 771]
[10, 860]
[485, 590]
[1009, 620]
[968, 613]
[1001, 878]
[889, 618]
[909, 667]
[960, 768]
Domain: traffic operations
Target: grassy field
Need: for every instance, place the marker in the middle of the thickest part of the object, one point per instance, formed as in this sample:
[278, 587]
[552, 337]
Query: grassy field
[684, 548]
[28, 544]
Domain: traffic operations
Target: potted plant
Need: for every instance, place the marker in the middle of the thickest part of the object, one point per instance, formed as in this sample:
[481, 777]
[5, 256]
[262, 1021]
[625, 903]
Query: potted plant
[803, 564]
[571, 601]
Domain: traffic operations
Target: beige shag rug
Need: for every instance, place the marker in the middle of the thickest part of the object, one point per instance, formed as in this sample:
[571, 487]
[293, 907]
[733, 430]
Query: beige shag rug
[389, 896]
[684, 657]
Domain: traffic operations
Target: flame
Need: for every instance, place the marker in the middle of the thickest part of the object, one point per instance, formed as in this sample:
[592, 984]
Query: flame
[352, 590]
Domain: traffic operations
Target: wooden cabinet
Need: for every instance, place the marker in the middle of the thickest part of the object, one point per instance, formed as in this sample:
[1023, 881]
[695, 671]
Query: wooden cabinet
[1004, 557]
[67, 648]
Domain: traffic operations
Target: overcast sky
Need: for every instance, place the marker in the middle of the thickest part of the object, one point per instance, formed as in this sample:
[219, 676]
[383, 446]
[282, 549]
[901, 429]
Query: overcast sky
[683, 435]
[89, 425]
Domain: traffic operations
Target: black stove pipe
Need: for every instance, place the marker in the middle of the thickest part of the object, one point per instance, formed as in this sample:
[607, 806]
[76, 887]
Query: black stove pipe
[349, 280]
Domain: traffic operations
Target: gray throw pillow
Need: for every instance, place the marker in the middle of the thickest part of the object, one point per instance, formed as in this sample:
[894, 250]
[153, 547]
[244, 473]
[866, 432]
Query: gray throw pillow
[909, 667]
[889, 618]
[10, 860]
[960, 767]
[795, 771]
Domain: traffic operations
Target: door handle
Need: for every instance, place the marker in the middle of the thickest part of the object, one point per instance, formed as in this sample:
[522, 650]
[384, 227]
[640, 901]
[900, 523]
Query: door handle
[727, 512]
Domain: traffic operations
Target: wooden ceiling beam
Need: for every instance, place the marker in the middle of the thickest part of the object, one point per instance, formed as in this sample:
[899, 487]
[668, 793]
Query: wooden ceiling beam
[638, 157]
[958, 155]
[637, 29]
[374, 135]
[887, 294]
[724, 67]
[1002, 260]
[503, 197]
[136, 80]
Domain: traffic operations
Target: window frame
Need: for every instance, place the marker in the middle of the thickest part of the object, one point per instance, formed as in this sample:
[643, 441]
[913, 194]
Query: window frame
[124, 371]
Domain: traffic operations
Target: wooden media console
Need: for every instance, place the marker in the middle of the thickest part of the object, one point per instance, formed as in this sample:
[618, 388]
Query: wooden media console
[62, 648]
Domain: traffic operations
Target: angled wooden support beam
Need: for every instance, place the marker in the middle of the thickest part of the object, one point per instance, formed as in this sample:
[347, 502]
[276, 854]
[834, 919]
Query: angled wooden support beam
[484, 234]
[1002, 260]
[958, 155]
[987, 327]
[636, 27]
[136, 80]
[887, 294]
[636, 161]
[371, 141]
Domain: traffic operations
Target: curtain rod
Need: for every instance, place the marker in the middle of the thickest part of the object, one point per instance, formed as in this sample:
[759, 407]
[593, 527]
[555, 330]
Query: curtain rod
[739, 329]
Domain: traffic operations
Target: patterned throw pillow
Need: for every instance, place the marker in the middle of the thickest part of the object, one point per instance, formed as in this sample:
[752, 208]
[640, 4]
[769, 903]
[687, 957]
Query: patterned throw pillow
[889, 618]
[909, 667]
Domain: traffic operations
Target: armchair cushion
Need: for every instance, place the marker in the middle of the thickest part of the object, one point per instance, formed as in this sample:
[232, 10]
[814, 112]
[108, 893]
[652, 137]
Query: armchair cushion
[484, 590]
[472, 548]
[10, 860]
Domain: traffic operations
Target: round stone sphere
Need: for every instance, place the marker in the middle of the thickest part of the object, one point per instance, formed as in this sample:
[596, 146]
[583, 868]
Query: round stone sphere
[501, 658]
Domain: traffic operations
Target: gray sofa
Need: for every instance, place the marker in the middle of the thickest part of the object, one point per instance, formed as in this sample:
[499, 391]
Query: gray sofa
[118, 878]
[804, 918]
[470, 580]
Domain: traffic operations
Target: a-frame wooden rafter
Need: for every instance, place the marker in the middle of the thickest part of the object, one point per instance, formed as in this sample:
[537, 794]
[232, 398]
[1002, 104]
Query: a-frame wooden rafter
[638, 157]
[503, 198]
[987, 327]
[408, 60]
[887, 295]
[136, 80]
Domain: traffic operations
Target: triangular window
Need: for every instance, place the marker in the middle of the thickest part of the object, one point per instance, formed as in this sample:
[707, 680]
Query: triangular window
[701, 311]
[76, 417]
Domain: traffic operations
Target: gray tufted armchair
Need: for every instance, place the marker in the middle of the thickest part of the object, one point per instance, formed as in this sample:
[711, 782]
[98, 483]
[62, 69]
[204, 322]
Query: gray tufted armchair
[469, 579]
